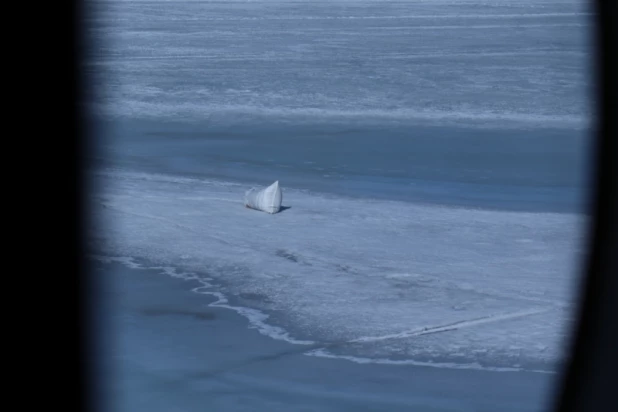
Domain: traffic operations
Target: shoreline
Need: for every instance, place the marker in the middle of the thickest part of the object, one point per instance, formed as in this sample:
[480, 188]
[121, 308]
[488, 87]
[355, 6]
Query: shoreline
[158, 334]
[258, 320]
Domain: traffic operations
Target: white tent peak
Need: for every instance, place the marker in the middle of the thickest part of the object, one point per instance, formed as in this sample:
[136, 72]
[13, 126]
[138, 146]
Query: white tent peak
[267, 200]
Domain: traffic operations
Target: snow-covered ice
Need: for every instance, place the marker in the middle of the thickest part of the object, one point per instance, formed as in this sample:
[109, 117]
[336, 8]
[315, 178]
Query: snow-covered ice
[366, 278]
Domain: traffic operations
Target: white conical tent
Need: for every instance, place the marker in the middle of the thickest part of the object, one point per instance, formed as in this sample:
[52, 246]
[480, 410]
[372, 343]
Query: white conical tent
[267, 200]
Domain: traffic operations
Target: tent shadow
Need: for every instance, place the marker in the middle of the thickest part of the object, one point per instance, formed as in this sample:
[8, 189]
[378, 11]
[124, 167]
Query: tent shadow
[282, 208]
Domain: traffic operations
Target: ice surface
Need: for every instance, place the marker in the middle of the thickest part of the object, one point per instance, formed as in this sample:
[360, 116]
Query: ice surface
[165, 350]
[363, 278]
[510, 63]
[369, 280]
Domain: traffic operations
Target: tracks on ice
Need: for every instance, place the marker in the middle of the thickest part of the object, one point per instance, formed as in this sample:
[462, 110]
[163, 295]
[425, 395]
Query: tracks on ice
[451, 326]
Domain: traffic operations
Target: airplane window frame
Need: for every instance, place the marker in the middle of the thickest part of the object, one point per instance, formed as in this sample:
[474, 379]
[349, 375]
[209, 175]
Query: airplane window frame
[585, 383]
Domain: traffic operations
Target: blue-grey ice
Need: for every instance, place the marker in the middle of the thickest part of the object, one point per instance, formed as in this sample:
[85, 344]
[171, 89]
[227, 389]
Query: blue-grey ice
[433, 154]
